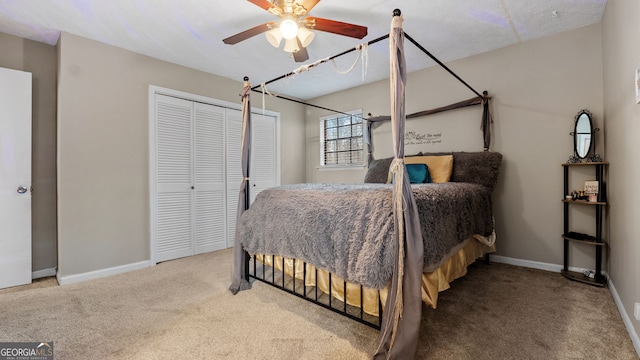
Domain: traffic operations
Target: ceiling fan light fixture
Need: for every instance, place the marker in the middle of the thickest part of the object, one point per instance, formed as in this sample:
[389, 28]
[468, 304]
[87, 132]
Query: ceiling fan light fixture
[288, 29]
[305, 36]
[274, 37]
[291, 45]
[294, 25]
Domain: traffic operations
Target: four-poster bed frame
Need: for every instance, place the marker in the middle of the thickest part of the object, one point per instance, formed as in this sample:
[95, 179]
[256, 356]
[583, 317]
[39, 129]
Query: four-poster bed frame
[399, 323]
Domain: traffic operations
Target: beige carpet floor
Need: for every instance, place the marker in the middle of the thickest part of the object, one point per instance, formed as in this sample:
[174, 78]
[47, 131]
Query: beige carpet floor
[182, 309]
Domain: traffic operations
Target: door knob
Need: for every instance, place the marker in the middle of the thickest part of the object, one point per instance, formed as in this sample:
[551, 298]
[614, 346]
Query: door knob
[22, 189]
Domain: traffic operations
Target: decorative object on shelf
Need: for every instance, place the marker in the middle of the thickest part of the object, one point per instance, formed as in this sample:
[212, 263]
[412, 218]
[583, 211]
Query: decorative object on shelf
[579, 195]
[573, 160]
[584, 144]
[595, 157]
[580, 236]
[591, 190]
[591, 187]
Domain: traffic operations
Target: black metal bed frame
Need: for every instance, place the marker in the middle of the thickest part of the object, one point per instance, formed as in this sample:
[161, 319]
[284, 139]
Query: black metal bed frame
[257, 88]
[303, 295]
[361, 317]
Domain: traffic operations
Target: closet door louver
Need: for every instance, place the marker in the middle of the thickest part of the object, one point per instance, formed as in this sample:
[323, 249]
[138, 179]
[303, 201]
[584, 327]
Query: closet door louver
[174, 231]
[209, 184]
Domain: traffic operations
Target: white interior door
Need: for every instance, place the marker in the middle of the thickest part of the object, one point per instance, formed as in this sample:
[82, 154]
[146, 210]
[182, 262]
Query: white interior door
[210, 218]
[264, 161]
[188, 206]
[174, 178]
[15, 178]
[264, 154]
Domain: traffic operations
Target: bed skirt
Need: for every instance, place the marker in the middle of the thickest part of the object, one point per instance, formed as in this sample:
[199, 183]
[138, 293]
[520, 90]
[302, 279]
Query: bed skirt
[433, 282]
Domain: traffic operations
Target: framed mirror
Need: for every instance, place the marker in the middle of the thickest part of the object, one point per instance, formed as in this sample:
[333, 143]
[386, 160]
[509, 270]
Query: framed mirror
[582, 134]
[584, 141]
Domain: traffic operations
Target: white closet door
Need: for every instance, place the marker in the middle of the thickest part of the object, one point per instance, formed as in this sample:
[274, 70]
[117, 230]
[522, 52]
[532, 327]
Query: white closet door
[197, 171]
[234, 170]
[264, 168]
[15, 178]
[210, 217]
[174, 178]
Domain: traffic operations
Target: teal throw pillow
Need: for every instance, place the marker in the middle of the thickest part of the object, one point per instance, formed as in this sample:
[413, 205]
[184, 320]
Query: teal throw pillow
[418, 173]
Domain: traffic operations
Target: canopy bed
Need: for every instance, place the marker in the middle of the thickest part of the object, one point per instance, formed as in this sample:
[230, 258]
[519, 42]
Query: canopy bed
[400, 242]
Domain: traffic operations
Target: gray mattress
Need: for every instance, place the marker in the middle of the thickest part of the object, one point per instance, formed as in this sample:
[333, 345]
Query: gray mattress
[347, 228]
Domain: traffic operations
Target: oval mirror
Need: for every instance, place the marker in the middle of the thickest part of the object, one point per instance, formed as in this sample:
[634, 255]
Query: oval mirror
[582, 134]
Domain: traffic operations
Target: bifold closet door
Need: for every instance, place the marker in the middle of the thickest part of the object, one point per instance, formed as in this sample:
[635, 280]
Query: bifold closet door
[174, 178]
[197, 170]
[209, 179]
[263, 171]
[190, 175]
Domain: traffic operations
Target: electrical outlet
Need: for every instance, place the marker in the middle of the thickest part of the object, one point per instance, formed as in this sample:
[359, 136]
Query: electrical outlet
[636, 311]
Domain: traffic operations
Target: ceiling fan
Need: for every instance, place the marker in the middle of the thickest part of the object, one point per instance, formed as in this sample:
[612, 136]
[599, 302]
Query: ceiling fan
[295, 26]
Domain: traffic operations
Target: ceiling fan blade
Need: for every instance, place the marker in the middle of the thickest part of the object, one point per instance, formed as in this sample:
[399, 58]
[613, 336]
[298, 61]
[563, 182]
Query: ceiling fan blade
[301, 55]
[249, 33]
[308, 4]
[336, 27]
[268, 5]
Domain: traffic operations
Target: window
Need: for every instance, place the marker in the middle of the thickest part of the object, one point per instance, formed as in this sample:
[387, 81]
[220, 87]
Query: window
[341, 142]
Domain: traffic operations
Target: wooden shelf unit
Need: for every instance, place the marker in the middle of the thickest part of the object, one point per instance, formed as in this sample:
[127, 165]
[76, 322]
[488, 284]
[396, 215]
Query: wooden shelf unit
[596, 241]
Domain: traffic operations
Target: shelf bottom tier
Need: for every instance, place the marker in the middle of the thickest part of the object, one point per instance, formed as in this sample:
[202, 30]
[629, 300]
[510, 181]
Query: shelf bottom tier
[577, 276]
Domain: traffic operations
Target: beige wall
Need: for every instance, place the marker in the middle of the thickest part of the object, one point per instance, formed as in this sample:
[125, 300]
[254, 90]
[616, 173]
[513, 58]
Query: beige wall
[103, 179]
[40, 60]
[621, 53]
[538, 87]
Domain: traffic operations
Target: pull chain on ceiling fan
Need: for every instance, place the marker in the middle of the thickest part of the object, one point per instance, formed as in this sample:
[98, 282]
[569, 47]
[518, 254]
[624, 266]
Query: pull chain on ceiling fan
[295, 27]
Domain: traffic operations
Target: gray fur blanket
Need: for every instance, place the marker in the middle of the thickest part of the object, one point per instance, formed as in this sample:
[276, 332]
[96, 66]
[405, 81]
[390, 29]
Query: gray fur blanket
[347, 228]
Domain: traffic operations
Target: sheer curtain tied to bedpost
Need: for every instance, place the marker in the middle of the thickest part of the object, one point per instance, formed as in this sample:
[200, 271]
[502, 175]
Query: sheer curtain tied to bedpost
[240, 257]
[403, 310]
[487, 120]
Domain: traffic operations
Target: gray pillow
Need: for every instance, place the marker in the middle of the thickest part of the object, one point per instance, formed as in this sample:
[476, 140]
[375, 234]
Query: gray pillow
[480, 167]
[378, 171]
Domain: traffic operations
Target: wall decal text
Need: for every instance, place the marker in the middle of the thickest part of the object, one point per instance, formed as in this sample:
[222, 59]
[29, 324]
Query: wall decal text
[416, 138]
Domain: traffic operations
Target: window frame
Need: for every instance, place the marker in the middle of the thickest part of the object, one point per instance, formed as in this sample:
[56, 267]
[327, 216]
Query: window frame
[323, 140]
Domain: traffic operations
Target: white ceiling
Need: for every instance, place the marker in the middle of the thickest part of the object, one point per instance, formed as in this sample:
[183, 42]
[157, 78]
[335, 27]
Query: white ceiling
[190, 33]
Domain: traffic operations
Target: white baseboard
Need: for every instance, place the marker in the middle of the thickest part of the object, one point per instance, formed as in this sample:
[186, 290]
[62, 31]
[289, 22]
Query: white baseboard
[43, 273]
[71, 279]
[525, 263]
[556, 268]
[535, 264]
[625, 317]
